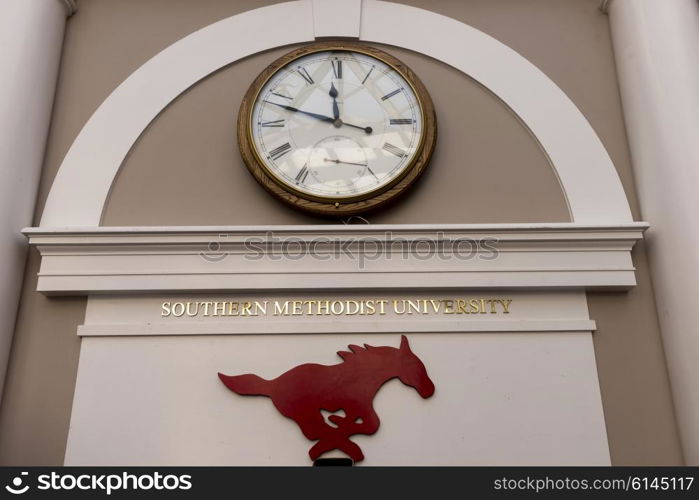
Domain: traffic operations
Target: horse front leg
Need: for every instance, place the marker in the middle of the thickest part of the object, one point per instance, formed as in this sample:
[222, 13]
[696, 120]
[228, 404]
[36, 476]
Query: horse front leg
[338, 438]
[366, 422]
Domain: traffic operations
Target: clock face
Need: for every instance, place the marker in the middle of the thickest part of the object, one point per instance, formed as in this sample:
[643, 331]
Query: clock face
[335, 125]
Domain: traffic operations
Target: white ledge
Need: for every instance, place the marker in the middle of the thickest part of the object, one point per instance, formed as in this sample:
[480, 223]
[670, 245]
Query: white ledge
[322, 325]
[332, 257]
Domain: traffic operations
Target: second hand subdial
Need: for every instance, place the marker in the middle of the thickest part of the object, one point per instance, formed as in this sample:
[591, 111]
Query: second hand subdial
[353, 163]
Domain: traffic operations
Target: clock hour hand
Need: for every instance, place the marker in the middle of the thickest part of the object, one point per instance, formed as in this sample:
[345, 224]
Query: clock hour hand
[336, 112]
[336, 108]
[368, 130]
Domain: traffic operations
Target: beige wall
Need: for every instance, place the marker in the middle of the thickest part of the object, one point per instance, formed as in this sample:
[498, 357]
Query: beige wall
[35, 411]
[185, 170]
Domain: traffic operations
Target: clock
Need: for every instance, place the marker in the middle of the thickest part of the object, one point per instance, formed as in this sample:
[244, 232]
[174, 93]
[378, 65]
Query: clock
[337, 128]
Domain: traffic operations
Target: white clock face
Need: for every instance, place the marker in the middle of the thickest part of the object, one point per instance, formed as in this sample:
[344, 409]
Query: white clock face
[336, 124]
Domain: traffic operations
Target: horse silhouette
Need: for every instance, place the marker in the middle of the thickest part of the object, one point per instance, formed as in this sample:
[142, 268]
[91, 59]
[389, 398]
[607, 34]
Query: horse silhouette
[302, 392]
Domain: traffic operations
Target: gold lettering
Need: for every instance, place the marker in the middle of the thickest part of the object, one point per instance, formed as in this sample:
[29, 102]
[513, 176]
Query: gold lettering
[492, 306]
[395, 307]
[506, 305]
[348, 307]
[350, 311]
[181, 309]
[370, 308]
[474, 306]
[188, 308]
[310, 304]
[233, 308]
[296, 307]
[279, 311]
[436, 305]
[260, 306]
[166, 310]
[219, 308]
[324, 307]
[461, 307]
[413, 305]
[337, 303]
[206, 308]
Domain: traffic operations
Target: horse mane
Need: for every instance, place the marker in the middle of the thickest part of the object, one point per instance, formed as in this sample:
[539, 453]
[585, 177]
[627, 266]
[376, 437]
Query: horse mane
[358, 353]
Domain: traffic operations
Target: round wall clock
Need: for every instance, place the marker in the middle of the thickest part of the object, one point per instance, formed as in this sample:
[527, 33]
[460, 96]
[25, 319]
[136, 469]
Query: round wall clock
[336, 128]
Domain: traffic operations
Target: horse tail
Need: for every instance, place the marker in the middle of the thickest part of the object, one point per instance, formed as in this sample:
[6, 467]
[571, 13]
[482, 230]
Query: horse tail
[246, 384]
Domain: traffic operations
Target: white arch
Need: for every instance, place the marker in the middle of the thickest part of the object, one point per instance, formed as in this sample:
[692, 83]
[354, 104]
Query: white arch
[588, 178]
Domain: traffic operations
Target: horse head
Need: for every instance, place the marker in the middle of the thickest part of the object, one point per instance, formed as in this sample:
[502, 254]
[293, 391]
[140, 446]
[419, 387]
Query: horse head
[412, 370]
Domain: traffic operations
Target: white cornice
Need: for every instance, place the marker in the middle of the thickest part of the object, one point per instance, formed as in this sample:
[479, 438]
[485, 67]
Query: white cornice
[361, 257]
[70, 5]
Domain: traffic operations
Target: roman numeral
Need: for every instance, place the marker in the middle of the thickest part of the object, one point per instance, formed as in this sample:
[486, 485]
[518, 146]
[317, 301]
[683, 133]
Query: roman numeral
[395, 150]
[367, 75]
[280, 151]
[390, 94]
[281, 95]
[301, 177]
[337, 69]
[274, 123]
[401, 121]
[304, 74]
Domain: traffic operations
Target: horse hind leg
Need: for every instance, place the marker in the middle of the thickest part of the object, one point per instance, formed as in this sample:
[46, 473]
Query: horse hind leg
[352, 449]
[313, 425]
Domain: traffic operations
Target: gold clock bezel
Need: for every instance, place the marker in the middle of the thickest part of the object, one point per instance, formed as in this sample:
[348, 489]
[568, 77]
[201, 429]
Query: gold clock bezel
[348, 205]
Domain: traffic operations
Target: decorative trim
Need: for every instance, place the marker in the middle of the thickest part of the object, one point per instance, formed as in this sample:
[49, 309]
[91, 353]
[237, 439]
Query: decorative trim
[337, 326]
[587, 176]
[324, 258]
[352, 205]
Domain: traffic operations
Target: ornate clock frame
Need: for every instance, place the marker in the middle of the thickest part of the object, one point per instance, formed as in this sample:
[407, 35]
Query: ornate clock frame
[350, 205]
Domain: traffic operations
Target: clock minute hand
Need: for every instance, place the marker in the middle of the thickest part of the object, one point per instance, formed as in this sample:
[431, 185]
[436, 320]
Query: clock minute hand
[320, 117]
[297, 110]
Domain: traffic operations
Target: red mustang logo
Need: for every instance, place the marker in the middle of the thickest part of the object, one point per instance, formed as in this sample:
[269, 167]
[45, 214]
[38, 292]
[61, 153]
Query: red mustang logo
[302, 392]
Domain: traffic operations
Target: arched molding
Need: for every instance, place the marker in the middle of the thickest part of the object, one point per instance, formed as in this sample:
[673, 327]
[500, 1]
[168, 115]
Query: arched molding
[586, 173]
